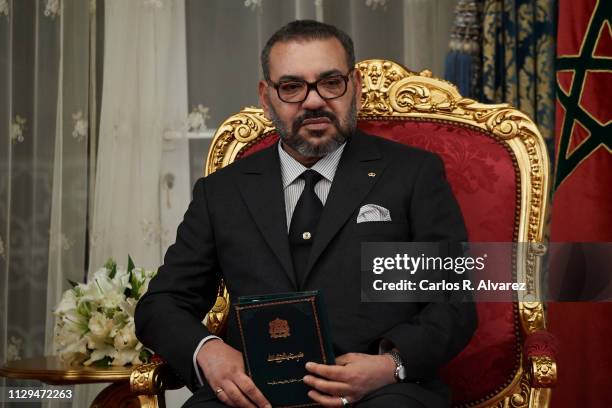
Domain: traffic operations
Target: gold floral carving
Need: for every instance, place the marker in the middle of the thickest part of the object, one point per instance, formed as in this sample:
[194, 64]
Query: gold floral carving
[521, 393]
[520, 399]
[515, 395]
[533, 262]
[152, 379]
[145, 378]
[532, 316]
[376, 78]
[544, 371]
[234, 134]
[217, 316]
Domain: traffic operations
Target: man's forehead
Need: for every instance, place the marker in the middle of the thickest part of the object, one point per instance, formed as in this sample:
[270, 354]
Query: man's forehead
[307, 57]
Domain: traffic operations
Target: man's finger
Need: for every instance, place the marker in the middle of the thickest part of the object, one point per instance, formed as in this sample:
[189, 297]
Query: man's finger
[325, 400]
[332, 372]
[223, 397]
[327, 386]
[234, 395]
[248, 388]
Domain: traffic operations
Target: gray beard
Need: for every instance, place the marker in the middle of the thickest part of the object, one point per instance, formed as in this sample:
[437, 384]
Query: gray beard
[292, 138]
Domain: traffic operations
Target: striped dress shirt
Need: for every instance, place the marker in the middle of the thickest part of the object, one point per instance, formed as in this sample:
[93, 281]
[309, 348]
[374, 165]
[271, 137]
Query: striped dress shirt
[293, 185]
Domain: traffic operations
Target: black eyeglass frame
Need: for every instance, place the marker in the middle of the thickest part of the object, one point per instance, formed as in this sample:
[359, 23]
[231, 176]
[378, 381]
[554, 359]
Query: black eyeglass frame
[313, 85]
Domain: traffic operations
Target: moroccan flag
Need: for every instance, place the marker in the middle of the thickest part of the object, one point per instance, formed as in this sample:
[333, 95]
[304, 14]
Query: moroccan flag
[582, 199]
[582, 208]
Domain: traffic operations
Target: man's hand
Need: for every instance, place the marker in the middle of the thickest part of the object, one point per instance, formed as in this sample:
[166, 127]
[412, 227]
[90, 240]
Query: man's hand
[353, 376]
[223, 368]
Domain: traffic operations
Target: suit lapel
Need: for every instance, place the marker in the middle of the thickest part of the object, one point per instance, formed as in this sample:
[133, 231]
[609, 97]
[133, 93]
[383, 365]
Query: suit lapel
[262, 190]
[359, 169]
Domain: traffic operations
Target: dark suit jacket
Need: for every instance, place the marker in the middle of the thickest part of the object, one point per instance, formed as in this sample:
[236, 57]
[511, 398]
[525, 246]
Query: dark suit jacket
[235, 228]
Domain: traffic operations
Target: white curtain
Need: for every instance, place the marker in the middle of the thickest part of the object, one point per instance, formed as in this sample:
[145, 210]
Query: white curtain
[144, 93]
[44, 142]
[43, 156]
[68, 230]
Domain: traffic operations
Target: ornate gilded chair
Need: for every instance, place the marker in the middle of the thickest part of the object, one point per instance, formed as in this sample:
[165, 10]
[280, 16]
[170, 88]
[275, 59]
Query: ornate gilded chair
[497, 165]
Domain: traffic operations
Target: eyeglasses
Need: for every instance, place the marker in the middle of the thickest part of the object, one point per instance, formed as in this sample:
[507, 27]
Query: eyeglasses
[296, 90]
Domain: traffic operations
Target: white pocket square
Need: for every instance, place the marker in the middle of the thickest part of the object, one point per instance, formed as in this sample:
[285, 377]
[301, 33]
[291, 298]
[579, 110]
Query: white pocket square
[373, 213]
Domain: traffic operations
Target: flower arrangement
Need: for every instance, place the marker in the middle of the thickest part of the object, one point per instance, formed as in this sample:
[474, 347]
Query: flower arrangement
[95, 320]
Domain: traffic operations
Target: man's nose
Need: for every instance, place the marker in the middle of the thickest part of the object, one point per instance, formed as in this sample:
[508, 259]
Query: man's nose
[313, 100]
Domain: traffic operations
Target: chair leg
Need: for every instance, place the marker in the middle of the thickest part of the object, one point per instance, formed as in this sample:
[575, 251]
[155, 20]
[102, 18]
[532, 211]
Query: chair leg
[539, 398]
[116, 395]
[152, 401]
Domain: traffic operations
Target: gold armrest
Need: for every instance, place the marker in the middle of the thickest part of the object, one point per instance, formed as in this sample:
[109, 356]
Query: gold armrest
[153, 379]
[216, 318]
[543, 371]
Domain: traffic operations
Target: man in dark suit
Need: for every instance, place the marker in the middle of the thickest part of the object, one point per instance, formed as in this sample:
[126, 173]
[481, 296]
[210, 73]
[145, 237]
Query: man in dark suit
[292, 217]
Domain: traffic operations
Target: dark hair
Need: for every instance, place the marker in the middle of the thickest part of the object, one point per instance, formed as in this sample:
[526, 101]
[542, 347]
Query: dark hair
[307, 30]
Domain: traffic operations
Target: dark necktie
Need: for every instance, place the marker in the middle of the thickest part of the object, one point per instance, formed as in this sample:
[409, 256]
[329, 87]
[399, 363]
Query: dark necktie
[304, 223]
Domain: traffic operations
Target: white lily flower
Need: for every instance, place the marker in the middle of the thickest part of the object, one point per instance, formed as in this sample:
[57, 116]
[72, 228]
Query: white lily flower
[123, 357]
[109, 293]
[100, 325]
[66, 340]
[73, 358]
[99, 353]
[112, 300]
[126, 337]
[74, 321]
[128, 306]
[67, 303]
[122, 279]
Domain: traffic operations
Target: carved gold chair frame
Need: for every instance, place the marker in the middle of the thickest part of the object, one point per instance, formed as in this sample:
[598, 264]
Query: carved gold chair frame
[390, 90]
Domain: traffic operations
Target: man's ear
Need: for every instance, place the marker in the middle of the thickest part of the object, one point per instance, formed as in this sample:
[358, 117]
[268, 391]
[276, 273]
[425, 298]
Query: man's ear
[263, 97]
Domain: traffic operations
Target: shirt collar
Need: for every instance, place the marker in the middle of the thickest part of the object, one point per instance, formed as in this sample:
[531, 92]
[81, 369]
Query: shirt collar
[291, 168]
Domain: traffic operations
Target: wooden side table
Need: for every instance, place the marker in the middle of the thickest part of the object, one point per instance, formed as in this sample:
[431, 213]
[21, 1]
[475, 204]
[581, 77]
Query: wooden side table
[132, 387]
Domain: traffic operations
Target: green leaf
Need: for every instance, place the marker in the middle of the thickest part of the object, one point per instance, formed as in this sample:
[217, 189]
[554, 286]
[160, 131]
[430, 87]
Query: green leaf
[136, 284]
[111, 265]
[130, 264]
[145, 355]
[84, 309]
[103, 362]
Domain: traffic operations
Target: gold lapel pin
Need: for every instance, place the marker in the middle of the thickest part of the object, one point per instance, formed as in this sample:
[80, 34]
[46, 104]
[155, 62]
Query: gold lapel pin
[371, 174]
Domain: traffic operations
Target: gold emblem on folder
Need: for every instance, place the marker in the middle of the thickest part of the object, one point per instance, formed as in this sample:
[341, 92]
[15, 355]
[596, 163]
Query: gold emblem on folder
[279, 328]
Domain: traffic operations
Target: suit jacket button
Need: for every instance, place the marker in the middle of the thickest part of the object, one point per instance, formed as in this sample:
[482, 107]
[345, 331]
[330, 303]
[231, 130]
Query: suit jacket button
[306, 235]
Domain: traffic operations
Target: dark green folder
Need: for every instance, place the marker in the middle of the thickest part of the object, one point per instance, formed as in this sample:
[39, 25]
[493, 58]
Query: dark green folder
[280, 333]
